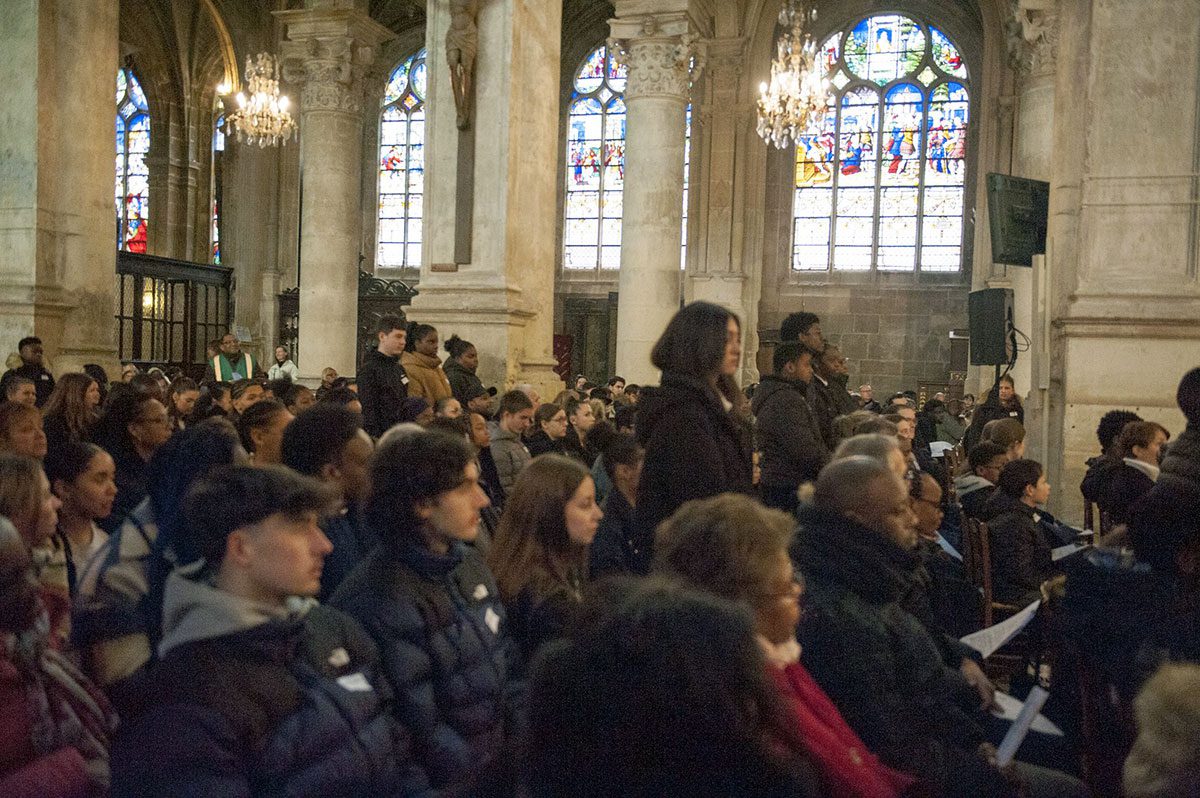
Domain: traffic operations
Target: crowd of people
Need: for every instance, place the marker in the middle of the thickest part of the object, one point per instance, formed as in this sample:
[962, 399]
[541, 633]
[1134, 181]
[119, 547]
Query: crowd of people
[411, 584]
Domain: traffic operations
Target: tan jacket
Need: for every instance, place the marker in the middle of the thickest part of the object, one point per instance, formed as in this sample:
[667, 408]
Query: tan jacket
[425, 376]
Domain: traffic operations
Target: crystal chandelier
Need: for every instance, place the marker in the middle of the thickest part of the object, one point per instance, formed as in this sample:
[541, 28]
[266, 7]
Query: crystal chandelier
[262, 118]
[798, 92]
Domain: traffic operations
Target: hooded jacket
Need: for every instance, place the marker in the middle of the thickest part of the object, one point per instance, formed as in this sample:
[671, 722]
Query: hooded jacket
[1130, 481]
[793, 450]
[973, 492]
[382, 389]
[463, 382]
[1021, 554]
[695, 448]
[428, 379]
[877, 662]
[256, 700]
[1181, 464]
[510, 454]
[1095, 481]
[441, 630]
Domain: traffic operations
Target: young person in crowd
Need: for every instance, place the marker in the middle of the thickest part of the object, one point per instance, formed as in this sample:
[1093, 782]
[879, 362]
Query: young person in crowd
[736, 549]
[661, 691]
[540, 553]
[382, 381]
[581, 420]
[82, 476]
[184, 394]
[550, 423]
[421, 363]
[803, 327]
[976, 487]
[231, 364]
[54, 724]
[1139, 449]
[132, 429]
[831, 367]
[20, 390]
[344, 397]
[513, 417]
[257, 692]
[216, 400]
[480, 438]
[1001, 402]
[33, 367]
[1181, 465]
[261, 430]
[1021, 551]
[1101, 467]
[243, 394]
[1008, 433]
[460, 368]
[447, 408]
[417, 410]
[283, 368]
[329, 443]
[21, 431]
[788, 436]
[695, 445]
[296, 397]
[71, 412]
[431, 605]
[615, 549]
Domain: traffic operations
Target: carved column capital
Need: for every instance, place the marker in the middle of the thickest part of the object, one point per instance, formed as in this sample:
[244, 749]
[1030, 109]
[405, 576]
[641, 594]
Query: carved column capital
[662, 54]
[1033, 38]
[327, 53]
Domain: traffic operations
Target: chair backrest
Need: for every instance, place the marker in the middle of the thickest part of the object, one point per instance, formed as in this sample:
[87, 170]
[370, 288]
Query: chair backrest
[1089, 516]
[952, 460]
[977, 560]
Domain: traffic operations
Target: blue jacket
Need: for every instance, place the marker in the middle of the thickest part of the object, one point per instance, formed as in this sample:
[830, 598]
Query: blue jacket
[440, 628]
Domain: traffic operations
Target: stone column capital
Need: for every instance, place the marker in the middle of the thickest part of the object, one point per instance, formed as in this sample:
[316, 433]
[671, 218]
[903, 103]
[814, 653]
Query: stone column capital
[1033, 39]
[327, 53]
[661, 51]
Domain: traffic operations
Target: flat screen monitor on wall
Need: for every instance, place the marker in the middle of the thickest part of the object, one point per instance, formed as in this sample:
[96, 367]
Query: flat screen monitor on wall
[1018, 211]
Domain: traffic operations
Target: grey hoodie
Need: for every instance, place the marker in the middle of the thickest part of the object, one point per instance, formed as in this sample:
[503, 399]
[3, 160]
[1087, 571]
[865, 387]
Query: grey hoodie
[510, 454]
[969, 483]
[195, 610]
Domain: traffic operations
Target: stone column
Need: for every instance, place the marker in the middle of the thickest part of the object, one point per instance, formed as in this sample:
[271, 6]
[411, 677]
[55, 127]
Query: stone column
[498, 182]
[657, 49]
[326, 50]
[58, 65]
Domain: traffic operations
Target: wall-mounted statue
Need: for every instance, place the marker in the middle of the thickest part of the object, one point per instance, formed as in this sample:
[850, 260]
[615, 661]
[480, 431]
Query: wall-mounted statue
[462, 44]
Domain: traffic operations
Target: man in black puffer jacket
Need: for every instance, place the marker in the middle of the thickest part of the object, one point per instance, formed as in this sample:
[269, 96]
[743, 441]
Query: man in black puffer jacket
[382, 381]
[793, 450]
[258, 691]
[1181, 465]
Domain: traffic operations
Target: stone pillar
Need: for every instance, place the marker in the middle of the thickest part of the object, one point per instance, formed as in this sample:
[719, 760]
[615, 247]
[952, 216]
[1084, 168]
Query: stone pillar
[247, 233]
[657, 49]
[326, 50]
[499, 182]
[58, 64]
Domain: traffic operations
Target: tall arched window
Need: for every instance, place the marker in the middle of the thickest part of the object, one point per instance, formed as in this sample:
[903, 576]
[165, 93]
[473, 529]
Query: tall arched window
[218, 152]
[133, 178]
[880, 177]
[402, 165]
[596, 166]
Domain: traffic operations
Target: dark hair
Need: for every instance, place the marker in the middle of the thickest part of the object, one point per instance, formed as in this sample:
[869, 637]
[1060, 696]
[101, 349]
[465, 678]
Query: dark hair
[617, 448]
[545, 412]
[417, 332]
[441, 404]
[626, 417]
[183, 384]
[573, 406]
[289, 393]
[659, 690]
[184, 458]
[532, 548]
[513, 402]
[457, 347]
[412, 407]
[632, 388]
[453, 426]
[147, 384]
[1138, 433]
[340, 396]
[408, 470]
[66, 403]
[1006, 432]
[11, 380]
[797, 324]
[984, 453]
[1188, 396]
[878, 425]
[257, 416]
[124, 408]
[388, 322]
[28, 341]
[693, 345]
[1018, 475]
[97, 373]
[318, 436]
[206, 405]
[1162, 523]
[1006, 377]
[933, 405]
[602, 393]
[278, 387]
[787, 352]
[614, 380]
[233, 498]
[1110, 426]
[68, 461]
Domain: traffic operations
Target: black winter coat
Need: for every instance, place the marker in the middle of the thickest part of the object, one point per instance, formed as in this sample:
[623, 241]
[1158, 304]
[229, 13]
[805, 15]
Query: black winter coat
[990, 410]
[441, 632]
[382, 389]
[878, 663]
[1126, 485]
[1181, 464]
[615, 549]
[1021, 553]
[786, 432]
[1095, 481]
[824, 406]
[539, 443]
[461, 381]
[694, 449]
[286, 708]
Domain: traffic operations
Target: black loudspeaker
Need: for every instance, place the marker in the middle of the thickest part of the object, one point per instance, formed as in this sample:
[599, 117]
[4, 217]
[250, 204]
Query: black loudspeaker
[991, 318]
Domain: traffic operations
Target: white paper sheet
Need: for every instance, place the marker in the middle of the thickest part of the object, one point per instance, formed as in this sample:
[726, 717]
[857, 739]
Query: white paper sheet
[1009, 708]
[939, 448]
[1020, 728]
[1066, 551]
[986, 641]
[946, 547]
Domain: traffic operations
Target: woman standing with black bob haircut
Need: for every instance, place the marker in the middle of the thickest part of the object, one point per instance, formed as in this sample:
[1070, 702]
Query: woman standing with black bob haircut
[696, 444]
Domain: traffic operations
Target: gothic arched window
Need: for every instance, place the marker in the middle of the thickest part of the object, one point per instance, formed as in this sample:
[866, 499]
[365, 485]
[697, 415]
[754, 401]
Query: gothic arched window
[880, 177]
[218, 152]
[402, 165]
[133, 178]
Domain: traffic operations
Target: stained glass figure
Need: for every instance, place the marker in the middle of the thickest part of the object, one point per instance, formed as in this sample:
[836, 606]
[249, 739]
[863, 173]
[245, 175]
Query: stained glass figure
[880, 178]
[402, 165]
[132, 188]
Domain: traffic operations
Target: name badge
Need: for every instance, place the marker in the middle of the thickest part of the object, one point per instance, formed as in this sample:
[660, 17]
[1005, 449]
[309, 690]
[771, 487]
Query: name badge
[492, 619]
[355, 683]
[404, 380]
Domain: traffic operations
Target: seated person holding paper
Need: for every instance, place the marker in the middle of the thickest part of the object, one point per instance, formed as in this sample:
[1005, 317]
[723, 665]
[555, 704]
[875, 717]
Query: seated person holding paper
[1022, 556]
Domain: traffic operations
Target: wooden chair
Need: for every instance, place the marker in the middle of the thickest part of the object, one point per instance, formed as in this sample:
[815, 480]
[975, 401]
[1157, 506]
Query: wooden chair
[1089, 516]
[1106, 722]
[977, 560]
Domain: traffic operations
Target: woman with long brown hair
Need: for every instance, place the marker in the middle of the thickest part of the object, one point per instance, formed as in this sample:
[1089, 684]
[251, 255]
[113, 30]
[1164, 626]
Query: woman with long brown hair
[540, 553]
[71, 411]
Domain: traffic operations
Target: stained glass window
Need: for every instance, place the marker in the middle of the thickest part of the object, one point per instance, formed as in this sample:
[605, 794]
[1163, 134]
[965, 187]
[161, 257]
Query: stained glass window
[132, 193]
[218, 151]
[596, 166]
[880, 176]
[402, 165]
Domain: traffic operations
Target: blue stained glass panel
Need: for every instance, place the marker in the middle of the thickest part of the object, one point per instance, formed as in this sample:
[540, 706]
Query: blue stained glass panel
[402, 165]
[132, 145]
[946, 55]
[884, 48]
